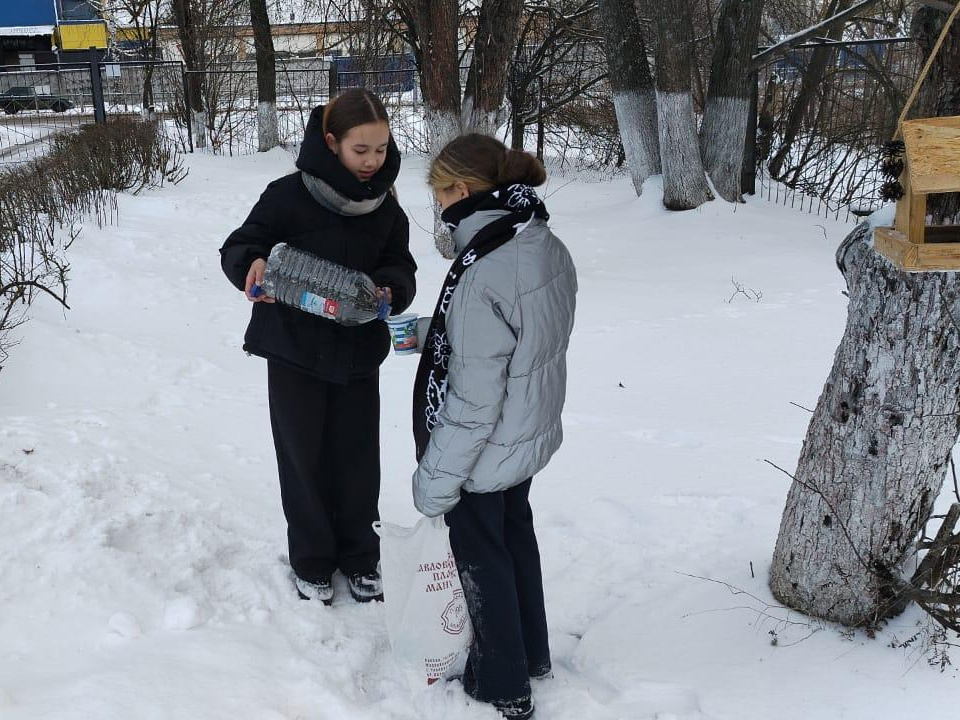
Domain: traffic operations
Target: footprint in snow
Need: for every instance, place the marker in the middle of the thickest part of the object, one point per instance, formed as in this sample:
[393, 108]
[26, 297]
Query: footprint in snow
[125, 625]
[669, 438]
[182, 613]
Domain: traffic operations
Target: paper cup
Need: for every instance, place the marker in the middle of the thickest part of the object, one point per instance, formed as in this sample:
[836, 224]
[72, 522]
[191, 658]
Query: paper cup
[403, 332]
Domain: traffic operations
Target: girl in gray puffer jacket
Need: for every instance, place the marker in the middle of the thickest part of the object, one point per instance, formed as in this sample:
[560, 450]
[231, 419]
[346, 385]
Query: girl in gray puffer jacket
[487, 403]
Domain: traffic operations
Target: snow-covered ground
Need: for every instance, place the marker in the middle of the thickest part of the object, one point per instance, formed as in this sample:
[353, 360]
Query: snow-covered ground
[142, 568]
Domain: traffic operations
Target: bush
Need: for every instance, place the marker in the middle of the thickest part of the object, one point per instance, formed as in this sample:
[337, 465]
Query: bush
[43, 202]
[586, 133]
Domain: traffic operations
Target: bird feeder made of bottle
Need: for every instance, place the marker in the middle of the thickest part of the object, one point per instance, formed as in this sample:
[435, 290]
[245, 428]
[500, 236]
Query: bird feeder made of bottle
[931, 165]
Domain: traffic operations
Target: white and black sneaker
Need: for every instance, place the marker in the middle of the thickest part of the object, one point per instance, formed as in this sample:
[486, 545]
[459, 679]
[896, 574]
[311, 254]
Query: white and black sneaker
[516, 710]
[321, 589]
[366, 586]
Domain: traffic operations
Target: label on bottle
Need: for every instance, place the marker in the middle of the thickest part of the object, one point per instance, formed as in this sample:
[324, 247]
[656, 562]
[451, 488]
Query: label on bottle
[325, 307]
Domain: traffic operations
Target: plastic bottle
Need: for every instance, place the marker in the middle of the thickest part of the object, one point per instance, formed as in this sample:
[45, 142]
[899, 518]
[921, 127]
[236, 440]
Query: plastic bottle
[320, 287]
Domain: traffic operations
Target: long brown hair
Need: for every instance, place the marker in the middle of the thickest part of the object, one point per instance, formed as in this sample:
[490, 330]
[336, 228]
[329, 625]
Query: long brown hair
[482, 163]
[357, 106]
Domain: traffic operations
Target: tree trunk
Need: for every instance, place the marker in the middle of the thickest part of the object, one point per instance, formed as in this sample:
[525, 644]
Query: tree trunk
[684, 182]
[147, 25]
[518, 131]
[493, 46]
[267, 127]
[809, 85]
[439, 70]
[439, 60]
[878, 444]
[187, 33]
[634, 96]
[940, 93]
[724, 129]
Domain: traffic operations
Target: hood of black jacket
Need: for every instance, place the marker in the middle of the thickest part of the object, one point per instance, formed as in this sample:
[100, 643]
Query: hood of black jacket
[320, 161]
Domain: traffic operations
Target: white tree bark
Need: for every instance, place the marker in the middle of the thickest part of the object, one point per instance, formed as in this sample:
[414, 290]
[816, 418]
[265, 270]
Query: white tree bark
[473, 119]
[268, 129]
[684, 179]
[724, 128]
[268, 134]
[878, 445]
[442, 127]
[721, 143]
[198, 121]
[498, 23]
[637, 118]
[634, 94]
[438, 60]
[684, 182]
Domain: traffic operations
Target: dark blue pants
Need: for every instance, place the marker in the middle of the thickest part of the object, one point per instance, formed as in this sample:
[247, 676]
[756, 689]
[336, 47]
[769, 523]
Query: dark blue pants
[327, 438]
[492, 538]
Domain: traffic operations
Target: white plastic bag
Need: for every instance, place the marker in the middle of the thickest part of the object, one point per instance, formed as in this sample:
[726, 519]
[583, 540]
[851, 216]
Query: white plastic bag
[426, 613]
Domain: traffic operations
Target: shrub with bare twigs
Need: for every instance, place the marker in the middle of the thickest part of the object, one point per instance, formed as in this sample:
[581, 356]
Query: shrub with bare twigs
[43, 203]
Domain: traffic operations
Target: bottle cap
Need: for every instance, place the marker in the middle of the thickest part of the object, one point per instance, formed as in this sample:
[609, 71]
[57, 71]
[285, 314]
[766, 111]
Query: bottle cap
[384, 309]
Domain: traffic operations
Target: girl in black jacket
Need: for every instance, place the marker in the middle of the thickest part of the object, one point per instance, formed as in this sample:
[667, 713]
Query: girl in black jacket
[323, 378]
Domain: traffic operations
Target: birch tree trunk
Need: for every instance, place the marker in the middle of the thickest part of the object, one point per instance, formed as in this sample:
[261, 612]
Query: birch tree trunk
[497, 29]
[684, 182]
[879, 442]
[267, 127]
[724, 128]
[634, 96]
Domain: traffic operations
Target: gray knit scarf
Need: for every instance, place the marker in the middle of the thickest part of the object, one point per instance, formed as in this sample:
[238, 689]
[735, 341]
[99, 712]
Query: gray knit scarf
[324, 194]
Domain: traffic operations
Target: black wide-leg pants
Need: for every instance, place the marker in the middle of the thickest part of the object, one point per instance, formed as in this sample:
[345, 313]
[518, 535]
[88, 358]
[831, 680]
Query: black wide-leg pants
[327, 438]
[493, 541]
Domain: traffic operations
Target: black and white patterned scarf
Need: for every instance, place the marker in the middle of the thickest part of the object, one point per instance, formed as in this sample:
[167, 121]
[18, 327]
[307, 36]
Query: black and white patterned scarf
[430, 387]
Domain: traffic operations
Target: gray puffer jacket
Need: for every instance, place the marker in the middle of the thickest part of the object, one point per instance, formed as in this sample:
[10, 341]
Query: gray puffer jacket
[509, 325]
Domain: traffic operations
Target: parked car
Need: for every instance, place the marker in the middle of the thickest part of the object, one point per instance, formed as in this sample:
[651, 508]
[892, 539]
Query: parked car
[27, 98]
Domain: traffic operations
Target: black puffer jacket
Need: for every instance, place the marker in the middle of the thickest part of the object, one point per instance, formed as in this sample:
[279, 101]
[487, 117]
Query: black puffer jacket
[376, 243]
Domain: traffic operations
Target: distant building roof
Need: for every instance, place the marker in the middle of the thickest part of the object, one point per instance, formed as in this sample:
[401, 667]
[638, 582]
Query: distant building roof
[26, 30]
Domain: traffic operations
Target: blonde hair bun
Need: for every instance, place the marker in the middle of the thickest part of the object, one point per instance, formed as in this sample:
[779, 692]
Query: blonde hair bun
[482, 163]
[519, 167]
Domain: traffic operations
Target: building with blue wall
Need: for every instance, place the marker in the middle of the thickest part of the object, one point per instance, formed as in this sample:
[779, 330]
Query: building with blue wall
[36, 32]
[26, 32]
[27, 13]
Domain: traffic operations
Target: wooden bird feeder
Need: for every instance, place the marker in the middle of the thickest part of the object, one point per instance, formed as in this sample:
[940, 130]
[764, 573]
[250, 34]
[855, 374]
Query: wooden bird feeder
[931, 165]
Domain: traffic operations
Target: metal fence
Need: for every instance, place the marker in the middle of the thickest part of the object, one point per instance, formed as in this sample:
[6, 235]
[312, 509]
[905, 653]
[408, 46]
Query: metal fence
[825, 160]
[215, 110]
[225, 105]
[39, 103]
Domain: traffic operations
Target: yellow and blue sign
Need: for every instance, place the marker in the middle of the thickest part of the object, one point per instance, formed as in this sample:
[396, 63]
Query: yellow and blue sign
[81, 36]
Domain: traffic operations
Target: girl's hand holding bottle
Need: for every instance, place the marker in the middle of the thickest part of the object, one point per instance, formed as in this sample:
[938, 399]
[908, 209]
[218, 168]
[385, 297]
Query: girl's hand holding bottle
[255, 277]
[316, 286]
